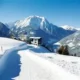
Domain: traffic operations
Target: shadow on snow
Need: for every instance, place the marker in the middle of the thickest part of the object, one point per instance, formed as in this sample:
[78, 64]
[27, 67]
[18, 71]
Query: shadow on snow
[10, 62]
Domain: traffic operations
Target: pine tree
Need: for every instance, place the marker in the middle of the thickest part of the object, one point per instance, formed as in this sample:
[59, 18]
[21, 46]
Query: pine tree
[60, 50]
[65, 51]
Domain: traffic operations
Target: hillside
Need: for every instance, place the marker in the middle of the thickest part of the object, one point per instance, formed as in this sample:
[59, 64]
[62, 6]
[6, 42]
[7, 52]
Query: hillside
[21, 61]
[4, 30]
[73, 41]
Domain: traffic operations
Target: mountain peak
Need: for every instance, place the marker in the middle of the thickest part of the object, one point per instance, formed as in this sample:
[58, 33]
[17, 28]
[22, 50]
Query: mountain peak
[67, 27]
[40, 27]
[31, 20]
[39, 17]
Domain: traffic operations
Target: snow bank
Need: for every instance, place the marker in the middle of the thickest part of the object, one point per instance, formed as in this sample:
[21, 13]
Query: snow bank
[7, 43]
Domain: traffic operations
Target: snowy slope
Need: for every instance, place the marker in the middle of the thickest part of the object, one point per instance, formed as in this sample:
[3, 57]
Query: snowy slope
[73, 41]
[7, 43]
[40, 27]
[37, 68]
[22, 62]
[69, 63]
[67, 27]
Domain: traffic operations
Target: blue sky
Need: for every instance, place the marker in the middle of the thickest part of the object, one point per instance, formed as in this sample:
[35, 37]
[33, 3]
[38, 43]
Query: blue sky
[59, 12]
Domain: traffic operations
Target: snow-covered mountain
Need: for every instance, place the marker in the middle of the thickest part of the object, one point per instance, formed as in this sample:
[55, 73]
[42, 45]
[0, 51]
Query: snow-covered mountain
[40, 27]
[4, 30]
[67, 27]
[73, 41]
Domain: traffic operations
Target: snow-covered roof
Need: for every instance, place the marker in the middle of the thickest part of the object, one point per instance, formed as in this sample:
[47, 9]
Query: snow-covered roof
[35, 37]
[57, 43]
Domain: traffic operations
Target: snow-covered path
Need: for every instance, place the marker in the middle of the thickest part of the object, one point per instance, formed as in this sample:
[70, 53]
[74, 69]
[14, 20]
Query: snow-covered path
[21, 63]
[36, 68]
